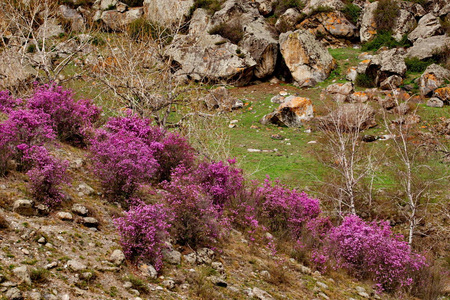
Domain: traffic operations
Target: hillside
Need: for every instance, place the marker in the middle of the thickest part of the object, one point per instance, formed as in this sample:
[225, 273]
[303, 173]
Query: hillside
[265, 149]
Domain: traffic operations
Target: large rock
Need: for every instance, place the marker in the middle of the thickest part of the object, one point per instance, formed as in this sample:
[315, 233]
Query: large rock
[236, 11]
[428, 26]
[337, 25]
[404, 24]
[386, 64]
[308, 61]
[259, 42]
[288, 20]
[433, 77]
[349, 117]
[211, 57]
[415, 8]
[23, 274]
[118, 21]
[265, 7]
[443, 93]
[368, 28]
[426, 48]
[167, 12]
[439, 7]
[293, 112]
[200, 22]
[219, 98]
[312, 5]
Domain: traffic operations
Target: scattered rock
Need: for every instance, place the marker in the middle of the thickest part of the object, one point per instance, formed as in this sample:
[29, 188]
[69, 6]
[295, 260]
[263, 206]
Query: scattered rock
[14, 294]
[433, 77]
[219, 98]
[205, 256]
[349, 117]
[322, 285]
[90, 222]
[117, 257]
[23, 274]
[261, 295]
[308, 61]
[65, 216]
[51, 265]
[85, 189]
[392, 82]
[148, 271]
[386, 64]
[76, 266]
[169, 284]
[42, 210]
[172, 256]
[79, 209]
[191, 258]
[291, 113]
[358, 97]
[218, 281]
[435, 102]
[24, 207]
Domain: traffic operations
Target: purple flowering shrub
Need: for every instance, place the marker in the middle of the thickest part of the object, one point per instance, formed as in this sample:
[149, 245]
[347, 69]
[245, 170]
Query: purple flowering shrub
[123, 162]
[28, 127]
[283, 210]
[8, 103]
[170, 149]
[197, 221]
[143, 232]
[370, 250]
[72, 119]
[46, 175]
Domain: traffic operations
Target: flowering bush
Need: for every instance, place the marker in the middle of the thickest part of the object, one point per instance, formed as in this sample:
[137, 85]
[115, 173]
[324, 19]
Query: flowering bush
[29, 127]
[72, 119]
[196, 219]
[46, 175]
[143, 232]
[8, 103]
[170, 149]
[219, 181]
[284, 210]
[372, 251]
[122, 161]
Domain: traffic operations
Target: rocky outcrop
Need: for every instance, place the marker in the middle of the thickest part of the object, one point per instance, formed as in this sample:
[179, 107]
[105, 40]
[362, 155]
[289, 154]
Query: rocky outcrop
[392, 82]
[386, 64]
[265, 7]
[433, 77]
[308, 61]
[426, 48]
[428, 26]
[288, 20]
[14, 72]
[236, 11]
[200, 22]
[368, 28]
[349, 117]
[167, 12]
[335, 5]
[404, 24]
[439, 7]
[293, 112]
[258, 41]
[210, 57]
[117, 21]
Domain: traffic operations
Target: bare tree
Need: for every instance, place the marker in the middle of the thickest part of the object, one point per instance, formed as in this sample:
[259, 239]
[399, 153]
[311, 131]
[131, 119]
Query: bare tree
[346, 154]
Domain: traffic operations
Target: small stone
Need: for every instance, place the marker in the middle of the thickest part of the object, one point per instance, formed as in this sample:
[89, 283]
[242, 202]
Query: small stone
[218, 266]
[435, 102]
[86, 275]
[35, 295]
[127, 285]
[117, 257]
[48, 245]
[238, 104]
[134, 291]
[24, 207]
[90, 222]
[43, 210]
[65, 216]
[80, 210]
[51, 265]
[65, 297]
[76, 266]
[218, 281]
[169, 284]
[23, 274]
[322, 285]
[2, 187]
[25, 251]
[261, 295]
[85, 189]
[265, 274]
[148, 270]
[191, 258]
[14, 294]
[321, 294]
[205, 256]
[41, 240]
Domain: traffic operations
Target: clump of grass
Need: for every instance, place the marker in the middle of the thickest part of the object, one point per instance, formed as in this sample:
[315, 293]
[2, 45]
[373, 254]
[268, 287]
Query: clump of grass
[384, 38]
[143, 30]
[321, 9]
[210, 5]
[364, 80]
[137, 283]
[4, 224]
[232, 31]
[280, 6]
[416, 65]
[39, 275]
[385, 15]
[352, 12]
